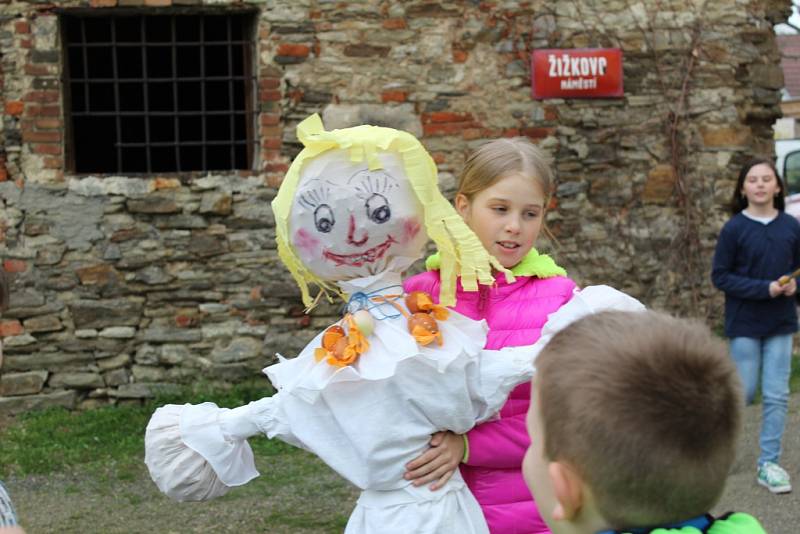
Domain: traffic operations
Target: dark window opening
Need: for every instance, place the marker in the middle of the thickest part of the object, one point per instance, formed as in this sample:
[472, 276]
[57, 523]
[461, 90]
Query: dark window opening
[159, 93]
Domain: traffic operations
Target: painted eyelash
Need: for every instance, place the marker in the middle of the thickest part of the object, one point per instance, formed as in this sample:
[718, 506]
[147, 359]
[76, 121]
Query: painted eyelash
[314, 197]
[372, 184]
[306, 202]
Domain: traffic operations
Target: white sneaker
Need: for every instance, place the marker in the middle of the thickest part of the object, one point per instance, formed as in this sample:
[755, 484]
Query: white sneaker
[774, 478]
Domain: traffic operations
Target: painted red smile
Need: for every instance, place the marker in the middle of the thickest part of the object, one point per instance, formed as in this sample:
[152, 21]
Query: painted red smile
[360, 258]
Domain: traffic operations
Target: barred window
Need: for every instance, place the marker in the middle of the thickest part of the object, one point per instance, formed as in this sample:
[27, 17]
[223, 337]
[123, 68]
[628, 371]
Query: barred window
[149, 93]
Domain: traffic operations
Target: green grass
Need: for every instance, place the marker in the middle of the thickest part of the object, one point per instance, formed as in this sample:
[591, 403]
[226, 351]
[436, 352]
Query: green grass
[98, 454]
[108, 441]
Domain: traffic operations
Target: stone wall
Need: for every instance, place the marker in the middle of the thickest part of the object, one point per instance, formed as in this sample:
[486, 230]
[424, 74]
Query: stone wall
[126, 285]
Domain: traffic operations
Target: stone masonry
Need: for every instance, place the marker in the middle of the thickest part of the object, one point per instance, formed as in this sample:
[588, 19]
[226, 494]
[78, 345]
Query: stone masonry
[123, 286]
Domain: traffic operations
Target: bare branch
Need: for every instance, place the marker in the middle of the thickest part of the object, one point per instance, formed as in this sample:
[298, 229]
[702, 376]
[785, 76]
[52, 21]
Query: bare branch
[4, 290]
[792, 26]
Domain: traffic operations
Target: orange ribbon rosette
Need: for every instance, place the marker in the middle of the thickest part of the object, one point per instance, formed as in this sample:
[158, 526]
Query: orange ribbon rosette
[340, 348]
[419, 301]
[424, 329]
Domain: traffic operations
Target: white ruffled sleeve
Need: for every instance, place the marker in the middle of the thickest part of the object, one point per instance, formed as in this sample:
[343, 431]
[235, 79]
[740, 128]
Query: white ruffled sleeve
[499, 372]
[198, 452]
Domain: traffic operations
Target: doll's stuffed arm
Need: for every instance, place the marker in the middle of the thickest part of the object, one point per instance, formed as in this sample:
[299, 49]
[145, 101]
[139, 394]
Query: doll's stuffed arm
[198, 452]
[586, 301]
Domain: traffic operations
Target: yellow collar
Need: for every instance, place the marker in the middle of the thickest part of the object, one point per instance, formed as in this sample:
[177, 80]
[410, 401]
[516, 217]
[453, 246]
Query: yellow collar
[533, 264]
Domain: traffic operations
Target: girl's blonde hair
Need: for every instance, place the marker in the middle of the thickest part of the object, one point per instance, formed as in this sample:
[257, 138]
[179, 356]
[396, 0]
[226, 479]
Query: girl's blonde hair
[501, 157]
[461, 251]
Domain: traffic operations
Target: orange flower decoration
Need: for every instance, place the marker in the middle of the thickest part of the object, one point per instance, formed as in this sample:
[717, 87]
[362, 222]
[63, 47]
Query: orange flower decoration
[340, 349]
[424, 329]
[419, 301]
[329, 339]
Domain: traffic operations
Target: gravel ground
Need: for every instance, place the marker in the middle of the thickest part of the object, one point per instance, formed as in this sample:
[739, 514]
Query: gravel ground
[91, 503]
[779, 514]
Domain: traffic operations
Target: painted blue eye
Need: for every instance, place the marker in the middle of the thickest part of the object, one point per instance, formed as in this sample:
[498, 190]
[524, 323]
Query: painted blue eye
[323, 218]
[378, 209]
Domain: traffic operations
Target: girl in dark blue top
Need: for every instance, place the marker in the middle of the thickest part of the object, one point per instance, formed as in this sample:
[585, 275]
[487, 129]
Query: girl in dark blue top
[757, 246]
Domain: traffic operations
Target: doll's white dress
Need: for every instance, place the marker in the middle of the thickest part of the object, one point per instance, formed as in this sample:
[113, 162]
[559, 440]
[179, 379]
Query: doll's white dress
[366, 420]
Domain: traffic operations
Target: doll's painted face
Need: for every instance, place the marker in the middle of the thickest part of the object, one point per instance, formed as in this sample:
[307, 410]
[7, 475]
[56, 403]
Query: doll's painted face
[349, 222]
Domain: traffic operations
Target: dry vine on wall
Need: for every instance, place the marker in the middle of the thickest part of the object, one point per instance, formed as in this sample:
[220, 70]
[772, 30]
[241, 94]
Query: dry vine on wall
[685, 260]
[689, 262]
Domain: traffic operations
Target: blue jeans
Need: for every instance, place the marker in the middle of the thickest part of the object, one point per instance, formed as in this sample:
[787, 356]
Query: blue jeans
[773, 357]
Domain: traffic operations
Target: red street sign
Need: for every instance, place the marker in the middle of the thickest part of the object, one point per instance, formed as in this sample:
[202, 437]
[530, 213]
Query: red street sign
[576, 73]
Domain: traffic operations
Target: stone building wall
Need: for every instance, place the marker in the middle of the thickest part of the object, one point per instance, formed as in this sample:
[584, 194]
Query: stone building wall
[124, 285]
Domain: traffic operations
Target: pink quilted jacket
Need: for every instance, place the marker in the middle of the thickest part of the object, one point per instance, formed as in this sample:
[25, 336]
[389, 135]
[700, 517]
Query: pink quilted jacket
[515, 313]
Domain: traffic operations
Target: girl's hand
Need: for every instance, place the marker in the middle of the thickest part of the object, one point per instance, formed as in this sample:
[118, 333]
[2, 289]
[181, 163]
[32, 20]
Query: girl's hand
[790, 288]
[775, 289]
[437, 463]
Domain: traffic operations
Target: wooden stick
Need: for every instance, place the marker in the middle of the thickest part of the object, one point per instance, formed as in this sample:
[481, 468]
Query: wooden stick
[783, 280]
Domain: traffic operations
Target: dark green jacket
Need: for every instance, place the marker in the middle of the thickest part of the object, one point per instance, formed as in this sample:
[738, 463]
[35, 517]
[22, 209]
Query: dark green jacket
[736, 523]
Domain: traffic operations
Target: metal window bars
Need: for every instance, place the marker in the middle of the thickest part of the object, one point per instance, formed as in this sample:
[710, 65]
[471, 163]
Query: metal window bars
[160, 93]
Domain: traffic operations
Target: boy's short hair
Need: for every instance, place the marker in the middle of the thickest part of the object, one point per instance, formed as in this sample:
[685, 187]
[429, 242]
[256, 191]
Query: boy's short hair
[646, 408]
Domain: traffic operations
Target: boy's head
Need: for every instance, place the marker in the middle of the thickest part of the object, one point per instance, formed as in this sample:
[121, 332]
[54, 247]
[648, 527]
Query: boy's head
[634, 420]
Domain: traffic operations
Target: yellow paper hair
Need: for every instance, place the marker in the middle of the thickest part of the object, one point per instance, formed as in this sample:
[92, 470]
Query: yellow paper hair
[461, 252]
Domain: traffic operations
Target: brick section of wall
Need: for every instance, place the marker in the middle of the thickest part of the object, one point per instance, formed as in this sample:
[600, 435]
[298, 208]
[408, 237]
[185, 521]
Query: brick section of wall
[33, 92]
[447, 123]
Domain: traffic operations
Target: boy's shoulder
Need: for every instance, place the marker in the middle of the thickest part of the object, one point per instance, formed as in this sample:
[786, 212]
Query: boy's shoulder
[734, 523]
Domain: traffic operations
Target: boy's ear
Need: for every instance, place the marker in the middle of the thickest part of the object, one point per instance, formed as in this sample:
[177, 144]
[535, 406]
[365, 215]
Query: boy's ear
[568, 490]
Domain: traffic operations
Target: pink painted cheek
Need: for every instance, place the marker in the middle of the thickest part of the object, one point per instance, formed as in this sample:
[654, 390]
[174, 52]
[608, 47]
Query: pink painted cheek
[308, 246]
[411, 228]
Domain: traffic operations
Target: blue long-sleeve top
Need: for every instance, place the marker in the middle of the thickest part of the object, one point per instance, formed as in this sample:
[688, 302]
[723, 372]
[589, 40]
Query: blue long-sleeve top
[750, 255]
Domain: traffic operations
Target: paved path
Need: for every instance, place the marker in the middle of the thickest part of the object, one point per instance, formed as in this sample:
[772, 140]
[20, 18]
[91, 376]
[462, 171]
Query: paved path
[780, 514]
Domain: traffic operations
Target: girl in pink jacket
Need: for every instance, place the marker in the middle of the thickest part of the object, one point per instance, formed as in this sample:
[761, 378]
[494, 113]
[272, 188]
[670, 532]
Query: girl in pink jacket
[503, 193]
